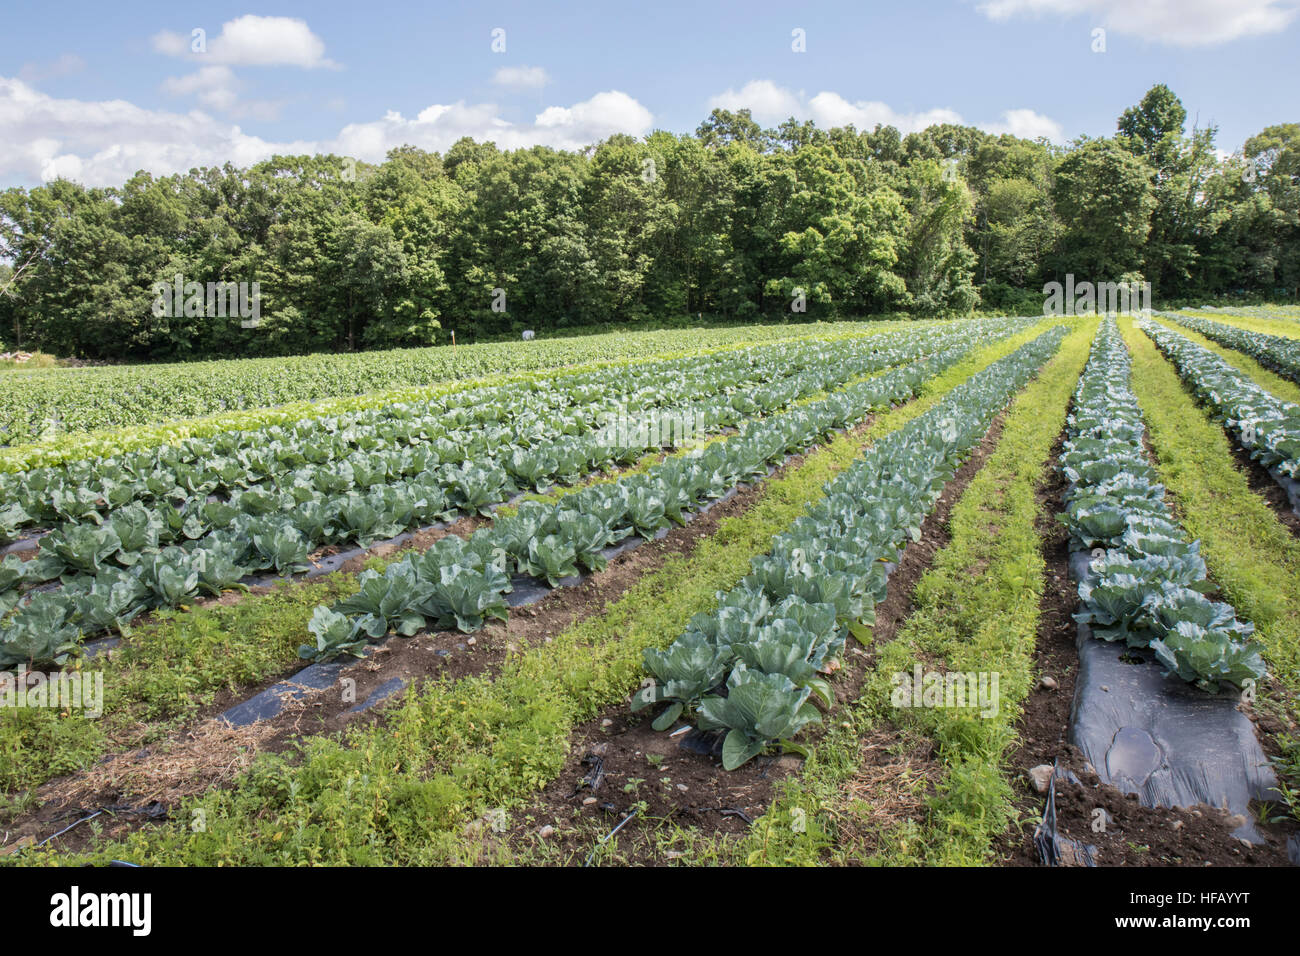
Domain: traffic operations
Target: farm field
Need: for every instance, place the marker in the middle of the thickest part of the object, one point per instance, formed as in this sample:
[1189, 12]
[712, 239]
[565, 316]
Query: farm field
[924, 593]
[65, 407]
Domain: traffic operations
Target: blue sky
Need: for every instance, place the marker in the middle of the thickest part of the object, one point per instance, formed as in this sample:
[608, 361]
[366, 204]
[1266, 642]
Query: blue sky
[94, 92]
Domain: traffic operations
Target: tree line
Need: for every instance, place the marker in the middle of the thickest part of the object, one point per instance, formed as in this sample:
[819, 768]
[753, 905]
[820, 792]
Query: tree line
[734, 222]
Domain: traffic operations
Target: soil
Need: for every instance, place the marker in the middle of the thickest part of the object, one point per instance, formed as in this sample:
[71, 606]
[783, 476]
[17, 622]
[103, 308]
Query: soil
[209, 753]
[610, 767]
[1134, 835]
[1262, 483]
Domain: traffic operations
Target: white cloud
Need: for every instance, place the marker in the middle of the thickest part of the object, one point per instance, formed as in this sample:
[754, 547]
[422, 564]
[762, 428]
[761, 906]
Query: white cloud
[215, 86]
[1174, 22]
[105, 142]
[598, 117]
[772, 104]
[521, 77]
[438, 127]
[251, 40]
[830, 109]
[1028, 125]
[768, 102]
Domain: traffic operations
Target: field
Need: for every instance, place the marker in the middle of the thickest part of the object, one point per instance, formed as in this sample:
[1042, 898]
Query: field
[969, 592]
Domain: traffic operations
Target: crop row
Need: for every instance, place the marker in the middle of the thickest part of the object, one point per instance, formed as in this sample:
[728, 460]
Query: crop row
[461, 583]
[465, 470]
[1148, 582]
[1262, 424]
[1276, 352]
[38, 404]
[518, 424]
[750, 666]
[101, 593]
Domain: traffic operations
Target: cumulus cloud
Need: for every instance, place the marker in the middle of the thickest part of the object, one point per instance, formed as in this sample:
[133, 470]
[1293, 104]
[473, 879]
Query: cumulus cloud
[768, 102]
[105, 142]
[1027, 125]
[830, 109]
[438, 127]
[1175, 22]
[521, 77]
[772, 104]
[214, 86]
[251, 40]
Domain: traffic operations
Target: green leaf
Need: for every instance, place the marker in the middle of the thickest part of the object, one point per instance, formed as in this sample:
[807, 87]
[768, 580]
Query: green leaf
[738, 749]
[669, 716]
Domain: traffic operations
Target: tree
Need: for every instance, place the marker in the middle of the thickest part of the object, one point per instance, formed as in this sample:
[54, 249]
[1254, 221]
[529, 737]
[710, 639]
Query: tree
[724, 127]
[1180, 165]
[936, 263]
[1104, 197]
[1014, 226]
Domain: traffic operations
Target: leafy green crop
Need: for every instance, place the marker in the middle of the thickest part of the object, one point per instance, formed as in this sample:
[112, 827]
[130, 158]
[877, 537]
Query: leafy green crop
[789, 617]
[42, 404]
[1146, 579]
[1263, 424]
[758, 709]
[1277, 352]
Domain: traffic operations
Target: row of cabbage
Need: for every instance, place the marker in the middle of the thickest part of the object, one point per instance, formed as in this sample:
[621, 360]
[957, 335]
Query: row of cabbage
[750, 666]
[35, 404]
[1276, 352]
[376, 493]
[461, 583]
[523, 425]
[100, 594]
[1263, 424]
[1148, 581]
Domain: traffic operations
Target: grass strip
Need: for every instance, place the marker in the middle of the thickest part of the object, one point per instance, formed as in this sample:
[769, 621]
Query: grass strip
[166, 671]
[1289, 328]
[975, 609]
[403, 791]
[1280, 387]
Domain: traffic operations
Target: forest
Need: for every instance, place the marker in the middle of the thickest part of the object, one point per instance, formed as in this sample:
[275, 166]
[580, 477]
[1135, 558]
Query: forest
[734, 223]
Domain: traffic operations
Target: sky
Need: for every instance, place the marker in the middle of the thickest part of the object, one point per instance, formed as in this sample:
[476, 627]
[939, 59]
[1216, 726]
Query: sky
[93, 92]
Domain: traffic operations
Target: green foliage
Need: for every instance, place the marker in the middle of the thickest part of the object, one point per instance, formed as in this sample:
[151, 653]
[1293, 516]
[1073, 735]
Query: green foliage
[50, 407]
[1105, 200]
[759, 708]
[336, 634]
[1253, 558]
[1145, 576]
[476, 743]
[543, 540]
[1268, 428]
[975, 609]
[825, 574]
